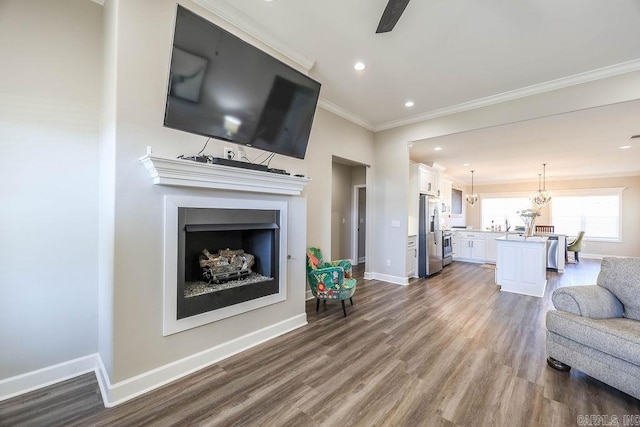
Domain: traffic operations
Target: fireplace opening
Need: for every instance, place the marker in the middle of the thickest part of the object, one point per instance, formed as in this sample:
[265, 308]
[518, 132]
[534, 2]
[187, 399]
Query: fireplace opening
[225, 257]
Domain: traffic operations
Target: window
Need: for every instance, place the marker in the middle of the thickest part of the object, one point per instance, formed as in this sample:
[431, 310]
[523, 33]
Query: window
[499, 209]
[596, 211]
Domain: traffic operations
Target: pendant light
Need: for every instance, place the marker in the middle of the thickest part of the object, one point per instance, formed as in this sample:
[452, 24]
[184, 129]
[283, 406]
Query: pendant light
[472, 198]
[542, 197]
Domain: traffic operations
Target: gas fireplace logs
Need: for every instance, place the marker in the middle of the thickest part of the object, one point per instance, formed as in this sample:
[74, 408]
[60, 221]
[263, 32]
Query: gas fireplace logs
[226, 265]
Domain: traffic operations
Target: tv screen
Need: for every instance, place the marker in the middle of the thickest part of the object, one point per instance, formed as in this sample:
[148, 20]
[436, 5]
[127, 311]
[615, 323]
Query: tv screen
[222, 87]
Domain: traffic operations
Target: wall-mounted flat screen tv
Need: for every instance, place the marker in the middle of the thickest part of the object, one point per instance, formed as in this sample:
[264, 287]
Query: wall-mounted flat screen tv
[222, 87]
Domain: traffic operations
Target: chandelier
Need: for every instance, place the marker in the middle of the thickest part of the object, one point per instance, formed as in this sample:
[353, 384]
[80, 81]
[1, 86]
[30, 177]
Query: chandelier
[542, 197]
[472, 198]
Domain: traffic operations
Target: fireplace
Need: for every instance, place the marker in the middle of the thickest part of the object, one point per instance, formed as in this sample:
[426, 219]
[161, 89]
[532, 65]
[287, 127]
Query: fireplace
[225, 257]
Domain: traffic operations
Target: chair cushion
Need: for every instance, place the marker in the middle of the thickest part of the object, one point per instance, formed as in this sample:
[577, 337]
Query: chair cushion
[618, 337]
[621, 276]
[314, 257]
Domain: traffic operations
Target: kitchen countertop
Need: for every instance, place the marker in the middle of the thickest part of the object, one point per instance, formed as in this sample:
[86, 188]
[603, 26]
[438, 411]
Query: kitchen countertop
[470, 230]
[518, 238]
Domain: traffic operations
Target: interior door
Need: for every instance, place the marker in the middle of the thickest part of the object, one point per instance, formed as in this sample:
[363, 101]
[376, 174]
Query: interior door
[362, 224]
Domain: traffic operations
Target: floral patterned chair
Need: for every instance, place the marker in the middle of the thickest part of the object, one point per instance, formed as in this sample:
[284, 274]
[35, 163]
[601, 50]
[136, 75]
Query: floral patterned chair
[329, 280]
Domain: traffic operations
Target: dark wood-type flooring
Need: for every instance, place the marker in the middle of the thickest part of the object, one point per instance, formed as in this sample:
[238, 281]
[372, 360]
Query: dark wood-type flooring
[449, 350]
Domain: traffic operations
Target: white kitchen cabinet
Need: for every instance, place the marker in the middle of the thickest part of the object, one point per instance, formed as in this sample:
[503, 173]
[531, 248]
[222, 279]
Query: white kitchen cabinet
[412, 256]
[445, 193]
[428, 179]
[469, 246]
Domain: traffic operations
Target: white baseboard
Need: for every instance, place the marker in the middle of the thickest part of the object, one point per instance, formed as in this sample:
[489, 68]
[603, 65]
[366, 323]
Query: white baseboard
[396, 280]
[135, 386]
[30, 381]
[308, 295]
[120, 392]
[599, 256]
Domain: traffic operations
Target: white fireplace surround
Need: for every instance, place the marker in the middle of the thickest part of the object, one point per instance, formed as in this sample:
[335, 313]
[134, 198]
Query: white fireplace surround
[187, 173]
[171, 324]
[190, 174]
[236, 181]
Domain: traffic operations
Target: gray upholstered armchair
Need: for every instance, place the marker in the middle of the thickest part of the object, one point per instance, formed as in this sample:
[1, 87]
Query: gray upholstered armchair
[596, 329]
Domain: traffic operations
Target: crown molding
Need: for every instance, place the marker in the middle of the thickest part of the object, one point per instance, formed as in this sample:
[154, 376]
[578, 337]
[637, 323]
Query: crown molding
[555, 179]
[255, 30]
[339, 111]
[238, 19]
[576, 79]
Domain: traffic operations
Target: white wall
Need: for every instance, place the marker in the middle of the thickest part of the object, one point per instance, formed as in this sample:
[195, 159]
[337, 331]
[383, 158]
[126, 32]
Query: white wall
[50, 82]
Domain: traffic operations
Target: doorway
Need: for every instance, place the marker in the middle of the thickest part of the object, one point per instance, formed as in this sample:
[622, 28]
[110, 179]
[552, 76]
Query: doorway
[347, 208]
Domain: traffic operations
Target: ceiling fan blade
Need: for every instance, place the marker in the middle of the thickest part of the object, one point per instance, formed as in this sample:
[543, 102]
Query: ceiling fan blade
[391, 14]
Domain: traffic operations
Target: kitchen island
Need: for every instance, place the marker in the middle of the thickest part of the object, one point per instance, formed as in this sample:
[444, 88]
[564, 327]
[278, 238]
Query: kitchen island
[521, 265]
[480, 246]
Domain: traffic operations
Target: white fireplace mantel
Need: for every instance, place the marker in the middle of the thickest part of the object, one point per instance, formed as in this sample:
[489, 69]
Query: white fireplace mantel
[187, 173]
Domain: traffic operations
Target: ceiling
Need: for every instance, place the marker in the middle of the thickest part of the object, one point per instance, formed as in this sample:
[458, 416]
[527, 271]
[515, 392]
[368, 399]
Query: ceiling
[447, 54]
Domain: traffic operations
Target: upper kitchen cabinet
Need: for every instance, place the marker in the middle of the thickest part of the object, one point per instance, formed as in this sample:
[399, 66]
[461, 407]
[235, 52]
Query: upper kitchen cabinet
[429, 180]
[445, 191]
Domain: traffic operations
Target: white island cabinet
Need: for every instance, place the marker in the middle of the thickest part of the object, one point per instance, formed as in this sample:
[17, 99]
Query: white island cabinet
[521, 266]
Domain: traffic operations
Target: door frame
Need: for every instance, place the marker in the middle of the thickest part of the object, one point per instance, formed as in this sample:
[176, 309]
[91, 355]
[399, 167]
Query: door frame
[355, 223]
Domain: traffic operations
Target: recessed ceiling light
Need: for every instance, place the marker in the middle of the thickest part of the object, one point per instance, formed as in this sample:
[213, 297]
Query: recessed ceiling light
[359, 66]
[465, 164]
[409, 104]
[438, 148]
[624, 147]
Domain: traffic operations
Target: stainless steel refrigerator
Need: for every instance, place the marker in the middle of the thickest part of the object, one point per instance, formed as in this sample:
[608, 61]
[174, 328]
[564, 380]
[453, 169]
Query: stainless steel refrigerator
[429, 237]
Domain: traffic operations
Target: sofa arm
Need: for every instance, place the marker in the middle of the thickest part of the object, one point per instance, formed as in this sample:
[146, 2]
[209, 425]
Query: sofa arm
[587, 301]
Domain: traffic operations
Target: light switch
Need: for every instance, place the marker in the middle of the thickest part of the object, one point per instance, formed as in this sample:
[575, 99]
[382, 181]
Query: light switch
[395, 223]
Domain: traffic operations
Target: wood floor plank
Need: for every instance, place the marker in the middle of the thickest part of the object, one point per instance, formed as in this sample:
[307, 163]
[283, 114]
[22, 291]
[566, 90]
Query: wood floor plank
[448, 350]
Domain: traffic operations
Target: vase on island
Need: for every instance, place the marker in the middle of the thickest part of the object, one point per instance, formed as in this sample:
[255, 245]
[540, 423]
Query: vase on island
[530, 225]
[529, 218]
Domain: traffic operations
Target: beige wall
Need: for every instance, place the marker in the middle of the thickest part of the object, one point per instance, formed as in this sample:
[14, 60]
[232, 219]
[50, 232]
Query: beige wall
[65, 152]
[132, 259]
[331, 136]
[49, 116]
[630, 245]
[143, 35]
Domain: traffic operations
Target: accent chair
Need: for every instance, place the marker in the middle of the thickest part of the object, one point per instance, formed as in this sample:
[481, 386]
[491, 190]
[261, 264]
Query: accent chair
[330, 280]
